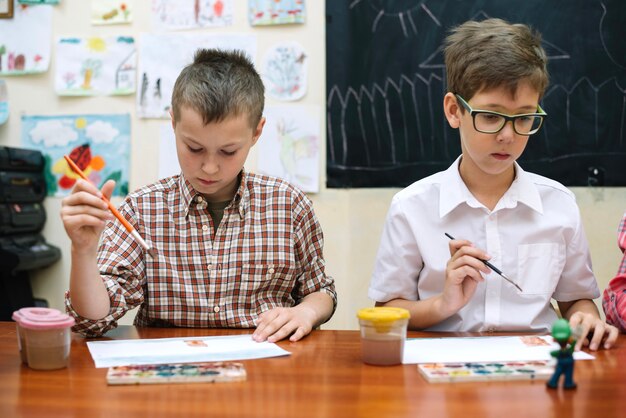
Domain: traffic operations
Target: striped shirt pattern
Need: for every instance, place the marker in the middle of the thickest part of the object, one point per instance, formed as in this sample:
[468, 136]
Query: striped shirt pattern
[614, 298]
[267, 252]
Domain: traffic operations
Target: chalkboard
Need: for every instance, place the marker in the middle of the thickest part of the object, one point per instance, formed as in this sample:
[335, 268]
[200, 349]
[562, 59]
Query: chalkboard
[386, 81]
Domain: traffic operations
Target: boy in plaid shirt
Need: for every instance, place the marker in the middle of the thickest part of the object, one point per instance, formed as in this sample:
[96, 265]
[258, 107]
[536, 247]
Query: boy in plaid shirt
[233, 249]
[614, 299]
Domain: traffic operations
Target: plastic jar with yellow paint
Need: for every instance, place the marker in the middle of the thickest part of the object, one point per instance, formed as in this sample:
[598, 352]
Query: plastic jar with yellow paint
[383, 332]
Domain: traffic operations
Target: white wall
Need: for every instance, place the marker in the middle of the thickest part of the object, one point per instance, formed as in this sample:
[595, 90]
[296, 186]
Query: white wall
[351, 218]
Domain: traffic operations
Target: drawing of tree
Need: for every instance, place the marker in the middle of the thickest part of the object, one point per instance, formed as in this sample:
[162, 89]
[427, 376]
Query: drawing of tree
[89, 70]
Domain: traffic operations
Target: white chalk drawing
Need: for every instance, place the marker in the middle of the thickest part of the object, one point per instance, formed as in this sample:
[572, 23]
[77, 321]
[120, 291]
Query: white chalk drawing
[397, 120]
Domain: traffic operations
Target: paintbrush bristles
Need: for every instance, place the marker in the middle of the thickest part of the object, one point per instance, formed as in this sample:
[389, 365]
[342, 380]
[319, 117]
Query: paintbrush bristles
[143, 243]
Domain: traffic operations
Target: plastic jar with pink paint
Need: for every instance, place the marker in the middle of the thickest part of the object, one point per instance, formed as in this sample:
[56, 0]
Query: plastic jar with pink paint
[45, 336]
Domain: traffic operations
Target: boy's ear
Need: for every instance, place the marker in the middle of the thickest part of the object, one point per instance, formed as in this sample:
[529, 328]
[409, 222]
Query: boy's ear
[452, 110]
[258, 131]
[172, 118]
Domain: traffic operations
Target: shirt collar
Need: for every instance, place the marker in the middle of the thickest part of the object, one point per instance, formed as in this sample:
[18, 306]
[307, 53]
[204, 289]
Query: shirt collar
[242, 195]
[454, 192]
[523, 190]
[189, 195]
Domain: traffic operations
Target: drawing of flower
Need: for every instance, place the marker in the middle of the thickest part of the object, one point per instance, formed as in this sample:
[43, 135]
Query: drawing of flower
[218, 8]
[70, 80]
[124, 10]
[284, 72]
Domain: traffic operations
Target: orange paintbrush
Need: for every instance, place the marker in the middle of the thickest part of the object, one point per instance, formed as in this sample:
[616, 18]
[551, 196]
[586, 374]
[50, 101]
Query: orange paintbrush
[115, 212]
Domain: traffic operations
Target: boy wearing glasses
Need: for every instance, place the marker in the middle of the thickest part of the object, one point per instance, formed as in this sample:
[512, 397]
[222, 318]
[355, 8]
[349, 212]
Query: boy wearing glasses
[525, 225]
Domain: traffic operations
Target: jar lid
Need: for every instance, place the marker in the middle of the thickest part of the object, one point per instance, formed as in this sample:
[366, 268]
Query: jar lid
[20, 313]
[17, 315]
[383, 314]
[42, 318]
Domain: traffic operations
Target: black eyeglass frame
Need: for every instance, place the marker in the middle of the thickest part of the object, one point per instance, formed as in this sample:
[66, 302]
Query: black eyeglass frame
[473, 112]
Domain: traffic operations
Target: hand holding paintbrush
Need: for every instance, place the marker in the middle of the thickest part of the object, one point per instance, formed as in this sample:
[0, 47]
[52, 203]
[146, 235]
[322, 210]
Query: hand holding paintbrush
[115, 212]
[494, 268]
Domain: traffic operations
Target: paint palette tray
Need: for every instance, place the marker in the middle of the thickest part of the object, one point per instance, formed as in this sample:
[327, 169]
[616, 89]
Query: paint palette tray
[472, 372]
[176, 373]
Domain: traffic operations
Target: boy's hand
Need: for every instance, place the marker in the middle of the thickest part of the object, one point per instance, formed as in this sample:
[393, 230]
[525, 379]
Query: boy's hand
[462, 275]
[279, 323]
[593, 330]
[84, 213]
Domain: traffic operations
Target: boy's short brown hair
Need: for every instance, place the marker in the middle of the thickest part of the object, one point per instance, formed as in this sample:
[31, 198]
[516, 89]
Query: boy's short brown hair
[494, 53]
[220, 84]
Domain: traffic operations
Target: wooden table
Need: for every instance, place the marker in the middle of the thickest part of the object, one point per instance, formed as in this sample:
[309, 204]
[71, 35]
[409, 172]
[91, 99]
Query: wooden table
[324, 377]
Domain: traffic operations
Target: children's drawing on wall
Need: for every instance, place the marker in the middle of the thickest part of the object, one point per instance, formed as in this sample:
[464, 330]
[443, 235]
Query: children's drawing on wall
[285, 69]
[157, 75]
[276, 12]
[98, 144]
[88, 67]
[289, 146]
[111, 12]
[38, 1]
[189, 14]
[4, 102]
[25, 41]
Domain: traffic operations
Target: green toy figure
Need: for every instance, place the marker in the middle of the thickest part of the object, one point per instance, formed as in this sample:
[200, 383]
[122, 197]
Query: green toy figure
[562, 333]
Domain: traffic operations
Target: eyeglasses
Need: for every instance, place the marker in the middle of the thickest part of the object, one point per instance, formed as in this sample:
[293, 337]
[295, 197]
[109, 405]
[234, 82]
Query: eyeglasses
[489, 122]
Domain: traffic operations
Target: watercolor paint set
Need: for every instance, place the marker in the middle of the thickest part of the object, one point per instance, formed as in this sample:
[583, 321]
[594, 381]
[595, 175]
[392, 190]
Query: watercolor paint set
[176, 373]
[472, 372]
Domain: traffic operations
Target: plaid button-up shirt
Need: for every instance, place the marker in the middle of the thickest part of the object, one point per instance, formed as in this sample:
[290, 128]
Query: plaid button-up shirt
[614, 298]
[266, 253]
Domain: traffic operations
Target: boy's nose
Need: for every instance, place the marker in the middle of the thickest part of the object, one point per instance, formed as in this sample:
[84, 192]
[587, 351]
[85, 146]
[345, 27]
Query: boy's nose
[507, 133]
[210, 166]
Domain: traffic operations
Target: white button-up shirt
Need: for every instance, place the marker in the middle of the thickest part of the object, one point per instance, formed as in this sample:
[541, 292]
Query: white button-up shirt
[534, 235]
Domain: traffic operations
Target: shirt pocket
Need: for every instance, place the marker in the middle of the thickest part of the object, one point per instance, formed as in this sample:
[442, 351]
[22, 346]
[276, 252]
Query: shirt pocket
[268, 282]
[539, 267]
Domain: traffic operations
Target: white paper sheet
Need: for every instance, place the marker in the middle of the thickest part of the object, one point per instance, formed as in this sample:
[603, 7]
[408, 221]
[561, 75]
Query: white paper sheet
[481, 349]
[181, 350]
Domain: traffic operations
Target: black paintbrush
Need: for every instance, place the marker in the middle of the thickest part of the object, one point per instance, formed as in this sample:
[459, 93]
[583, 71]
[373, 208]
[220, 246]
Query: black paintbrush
[494, 268]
